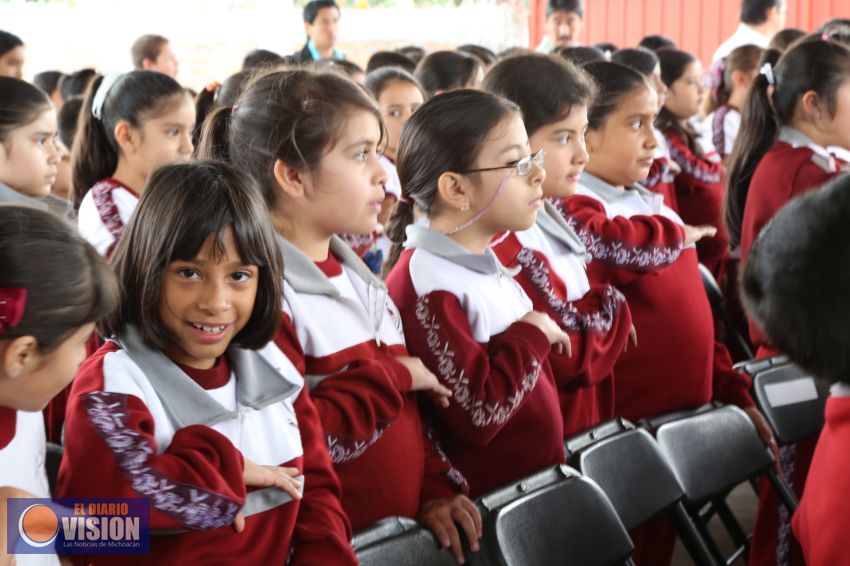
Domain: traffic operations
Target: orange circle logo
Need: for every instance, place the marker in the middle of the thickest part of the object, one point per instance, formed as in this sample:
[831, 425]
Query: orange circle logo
[38, 525]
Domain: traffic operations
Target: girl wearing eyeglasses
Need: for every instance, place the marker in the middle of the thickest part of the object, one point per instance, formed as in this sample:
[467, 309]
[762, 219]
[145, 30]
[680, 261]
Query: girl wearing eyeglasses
[465, 162]
[552, 257]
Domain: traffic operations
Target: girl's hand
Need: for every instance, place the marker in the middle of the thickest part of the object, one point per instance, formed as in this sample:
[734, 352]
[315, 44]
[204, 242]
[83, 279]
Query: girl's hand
[559, 339]
[442, 516]
[256, 475]
[632, 339]
[693, 234]
[423, 380]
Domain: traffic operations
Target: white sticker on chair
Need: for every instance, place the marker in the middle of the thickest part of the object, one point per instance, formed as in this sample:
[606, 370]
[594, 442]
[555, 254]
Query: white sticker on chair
[791, 392]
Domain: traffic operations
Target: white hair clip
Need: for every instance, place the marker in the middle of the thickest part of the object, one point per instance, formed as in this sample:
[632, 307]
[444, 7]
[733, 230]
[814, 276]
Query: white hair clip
[767, 71]
[99, 99]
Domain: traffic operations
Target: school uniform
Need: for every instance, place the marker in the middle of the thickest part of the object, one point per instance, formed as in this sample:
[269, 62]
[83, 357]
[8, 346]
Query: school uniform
[8, 195]
[637, 245]
[699, 195]
[722, 126]
[461, 314]
[793, 166]
[22, 457]
[553, 263]
[345, 334]
[660, 178]
[677, 363]
[819, 523]
[104, 211]
[139, 425]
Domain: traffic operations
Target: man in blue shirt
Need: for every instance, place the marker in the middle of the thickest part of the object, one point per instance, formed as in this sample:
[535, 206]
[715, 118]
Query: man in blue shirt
[321, 22]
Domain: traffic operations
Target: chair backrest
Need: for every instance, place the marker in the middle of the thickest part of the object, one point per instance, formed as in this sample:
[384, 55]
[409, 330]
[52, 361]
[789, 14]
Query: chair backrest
[398, 540]
[736, 343]
[713, 451]
[631, 470]
[554, 517]
[792, 400]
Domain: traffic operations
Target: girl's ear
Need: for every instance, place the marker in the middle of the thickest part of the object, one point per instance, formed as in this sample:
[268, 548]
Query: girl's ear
[290, 179]
[811, 105]
[20, 354]
[126, 136]
[455, 191]
[592, 139]
[740, 79]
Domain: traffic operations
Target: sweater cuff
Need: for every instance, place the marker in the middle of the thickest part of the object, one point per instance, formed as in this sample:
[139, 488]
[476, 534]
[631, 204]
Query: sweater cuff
[533, 336]
[399, 374]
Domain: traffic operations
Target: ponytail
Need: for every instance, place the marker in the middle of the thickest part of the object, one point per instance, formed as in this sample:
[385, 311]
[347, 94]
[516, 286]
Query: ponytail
[94, 154]
[204, 104]
[400, 218]
[445, 134]
[133, 98]
[759, 130]
[215, 136]
[817, 66]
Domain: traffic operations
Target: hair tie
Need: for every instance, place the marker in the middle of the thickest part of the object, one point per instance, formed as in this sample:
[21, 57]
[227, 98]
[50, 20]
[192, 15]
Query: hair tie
[406, 200]
[767, 71]
[233, 109]
[716, 75]
[824, 36]
[109, 79]
[13, 301]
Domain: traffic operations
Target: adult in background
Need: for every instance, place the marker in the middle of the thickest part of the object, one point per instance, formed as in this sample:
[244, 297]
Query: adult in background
[154, 53]
[564, 22]
[760, 21]
[321, 22]
[11, 55]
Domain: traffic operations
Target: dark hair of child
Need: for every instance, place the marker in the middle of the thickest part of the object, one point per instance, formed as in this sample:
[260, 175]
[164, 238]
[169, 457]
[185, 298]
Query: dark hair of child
[68, 284]
[819, 66]
[181, 207]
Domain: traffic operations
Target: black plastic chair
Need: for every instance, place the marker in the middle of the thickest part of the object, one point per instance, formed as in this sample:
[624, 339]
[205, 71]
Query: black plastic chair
[738, 346]
[52, 460]
[792, 401]
[712, 452]
[553, 517]
[402, 541]
[629, 467]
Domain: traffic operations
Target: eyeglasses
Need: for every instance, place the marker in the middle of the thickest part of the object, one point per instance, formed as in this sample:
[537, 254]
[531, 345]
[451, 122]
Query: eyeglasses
[522, 167]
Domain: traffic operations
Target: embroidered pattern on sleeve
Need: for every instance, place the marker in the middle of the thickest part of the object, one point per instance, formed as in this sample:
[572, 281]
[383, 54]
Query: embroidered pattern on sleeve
[108, 210]
[452, 473]
[695, 167]
[570, 318]
[622, 254]
[482, 413]
[191, 506]
[345, 450]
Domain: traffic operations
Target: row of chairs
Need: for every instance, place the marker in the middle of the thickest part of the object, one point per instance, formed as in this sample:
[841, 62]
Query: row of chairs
[620, 475]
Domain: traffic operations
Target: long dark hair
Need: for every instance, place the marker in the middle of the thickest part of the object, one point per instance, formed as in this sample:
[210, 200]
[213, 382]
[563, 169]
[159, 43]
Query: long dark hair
[20, 104]
[182, 205]
[673, 65]
[294, 116]
[445, 134]
[819, 66]
[135, 97]
[542, 102]
[68, 284]
[613, 82]
[446, 70]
